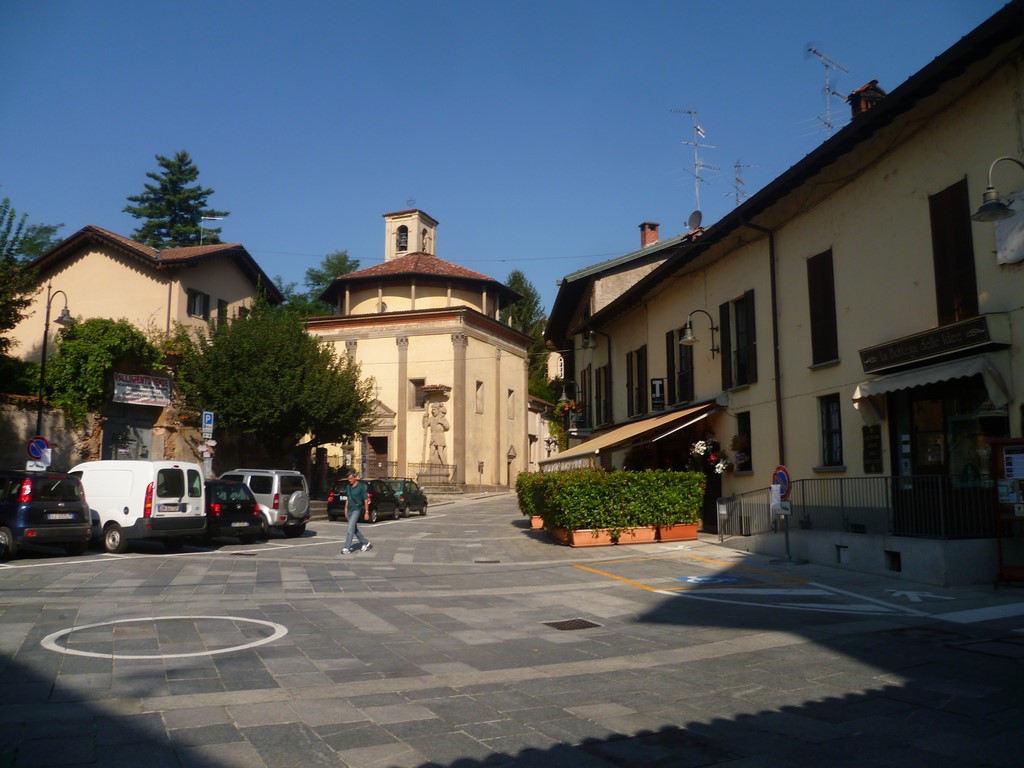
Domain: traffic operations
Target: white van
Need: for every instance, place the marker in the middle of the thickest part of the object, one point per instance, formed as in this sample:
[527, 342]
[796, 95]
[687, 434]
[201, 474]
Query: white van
[162, 500]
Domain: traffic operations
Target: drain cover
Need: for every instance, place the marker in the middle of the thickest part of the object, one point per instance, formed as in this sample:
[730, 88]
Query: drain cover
[567, 625]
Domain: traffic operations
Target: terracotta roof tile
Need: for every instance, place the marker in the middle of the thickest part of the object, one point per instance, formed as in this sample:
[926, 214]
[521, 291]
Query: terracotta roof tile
[418, 263]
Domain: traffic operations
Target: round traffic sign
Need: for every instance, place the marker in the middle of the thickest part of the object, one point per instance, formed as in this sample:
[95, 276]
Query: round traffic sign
[37, 447]
[780, 477]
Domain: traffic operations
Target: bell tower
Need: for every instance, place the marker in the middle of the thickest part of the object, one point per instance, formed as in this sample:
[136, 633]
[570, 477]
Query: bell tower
[410, 231]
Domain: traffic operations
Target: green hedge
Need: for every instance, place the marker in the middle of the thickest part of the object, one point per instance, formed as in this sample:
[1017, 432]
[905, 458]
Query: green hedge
[582, 499]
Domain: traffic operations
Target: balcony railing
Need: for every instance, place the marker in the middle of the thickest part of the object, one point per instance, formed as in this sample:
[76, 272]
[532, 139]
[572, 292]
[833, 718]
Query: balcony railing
[926, 506]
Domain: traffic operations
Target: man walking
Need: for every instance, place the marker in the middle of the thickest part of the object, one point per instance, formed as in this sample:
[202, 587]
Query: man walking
[357, 502]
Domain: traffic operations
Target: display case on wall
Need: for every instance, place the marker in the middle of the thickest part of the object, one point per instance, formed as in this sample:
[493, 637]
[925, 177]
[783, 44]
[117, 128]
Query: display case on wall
[1008, 503]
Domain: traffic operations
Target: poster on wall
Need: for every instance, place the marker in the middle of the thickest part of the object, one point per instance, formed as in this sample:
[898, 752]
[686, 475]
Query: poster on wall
[136, 389]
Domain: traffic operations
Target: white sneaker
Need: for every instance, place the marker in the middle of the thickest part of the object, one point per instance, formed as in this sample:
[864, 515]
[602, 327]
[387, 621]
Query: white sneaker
[366, 546]
[346, 551]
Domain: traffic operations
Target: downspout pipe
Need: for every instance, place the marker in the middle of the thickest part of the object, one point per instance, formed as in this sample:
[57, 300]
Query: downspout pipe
[775, 335]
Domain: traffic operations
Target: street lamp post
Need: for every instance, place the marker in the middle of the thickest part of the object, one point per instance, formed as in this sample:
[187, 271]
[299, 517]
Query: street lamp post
[65, 319]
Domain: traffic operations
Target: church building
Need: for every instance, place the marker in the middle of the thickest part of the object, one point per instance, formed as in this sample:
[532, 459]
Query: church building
[450, 374]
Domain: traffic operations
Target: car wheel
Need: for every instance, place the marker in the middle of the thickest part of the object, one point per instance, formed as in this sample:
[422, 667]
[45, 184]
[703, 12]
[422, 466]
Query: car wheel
[75, 548]
[373, 515]
[404, 511]
[298, 504]
[8, 546]
[423, 509]
[293, 531]
[265, 529]
[114, 540]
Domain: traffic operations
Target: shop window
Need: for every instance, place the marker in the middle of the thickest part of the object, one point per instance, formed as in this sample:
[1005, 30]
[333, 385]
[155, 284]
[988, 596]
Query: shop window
[739, 341]
[822, 301]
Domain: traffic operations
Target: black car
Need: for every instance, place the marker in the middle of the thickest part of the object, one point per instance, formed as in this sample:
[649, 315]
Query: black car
[232, 510]
[410, 495]
[383, 501]
[42, 508]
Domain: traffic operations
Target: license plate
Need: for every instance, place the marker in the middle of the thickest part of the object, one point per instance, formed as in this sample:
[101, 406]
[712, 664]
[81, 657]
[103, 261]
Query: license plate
[239, 525]
[60, 516]
[168, 508]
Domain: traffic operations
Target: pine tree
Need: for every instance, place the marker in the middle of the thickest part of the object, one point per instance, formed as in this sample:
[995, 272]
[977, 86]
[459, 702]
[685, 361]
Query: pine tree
[174, 207]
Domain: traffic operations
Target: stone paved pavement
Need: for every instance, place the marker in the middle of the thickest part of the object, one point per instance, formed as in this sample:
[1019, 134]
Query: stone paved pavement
[464, 639]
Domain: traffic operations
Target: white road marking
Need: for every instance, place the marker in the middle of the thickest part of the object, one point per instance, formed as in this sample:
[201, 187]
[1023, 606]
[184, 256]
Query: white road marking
[50, 641]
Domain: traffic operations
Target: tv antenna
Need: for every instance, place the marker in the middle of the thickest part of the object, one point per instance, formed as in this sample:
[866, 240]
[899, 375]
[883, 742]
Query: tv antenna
[737, 180]
[829, 64]
[698, 164]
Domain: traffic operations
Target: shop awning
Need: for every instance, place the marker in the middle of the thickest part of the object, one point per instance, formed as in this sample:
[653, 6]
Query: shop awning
[662, 424]
[984, 365]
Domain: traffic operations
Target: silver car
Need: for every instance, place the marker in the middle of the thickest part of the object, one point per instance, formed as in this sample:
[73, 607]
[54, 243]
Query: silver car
[283, 497]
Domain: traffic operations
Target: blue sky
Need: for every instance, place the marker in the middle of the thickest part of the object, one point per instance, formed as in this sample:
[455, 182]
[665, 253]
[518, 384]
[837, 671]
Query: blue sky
[539, 134]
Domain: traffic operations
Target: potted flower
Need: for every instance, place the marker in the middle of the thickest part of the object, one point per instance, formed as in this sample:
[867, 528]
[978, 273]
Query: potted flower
[707, 455]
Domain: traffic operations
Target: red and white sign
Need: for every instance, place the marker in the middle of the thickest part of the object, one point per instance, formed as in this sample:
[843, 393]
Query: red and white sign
[142, 390]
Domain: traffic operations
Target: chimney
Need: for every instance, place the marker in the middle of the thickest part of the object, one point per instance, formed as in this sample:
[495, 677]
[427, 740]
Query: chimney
[648, 234]
[865, 97]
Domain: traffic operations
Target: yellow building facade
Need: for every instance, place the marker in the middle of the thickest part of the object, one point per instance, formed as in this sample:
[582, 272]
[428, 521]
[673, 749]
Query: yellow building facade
[450, 375]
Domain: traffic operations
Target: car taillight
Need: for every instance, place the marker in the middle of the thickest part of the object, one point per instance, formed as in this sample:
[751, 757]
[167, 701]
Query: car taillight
[277, 501]
[256, 509]
[401, 497]
[330, 497]
[147, 506]
[215, 509]
[369, 496]
[26, 490]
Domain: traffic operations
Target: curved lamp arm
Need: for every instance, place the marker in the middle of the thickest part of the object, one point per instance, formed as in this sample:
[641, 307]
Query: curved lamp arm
[688, 339]
[992, 206]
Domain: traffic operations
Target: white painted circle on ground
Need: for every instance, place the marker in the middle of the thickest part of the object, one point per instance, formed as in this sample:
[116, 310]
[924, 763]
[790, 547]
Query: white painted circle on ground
[50, 641]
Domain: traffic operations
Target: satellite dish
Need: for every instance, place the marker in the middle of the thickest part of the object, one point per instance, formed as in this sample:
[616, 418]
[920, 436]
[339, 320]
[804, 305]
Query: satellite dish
[694, 221]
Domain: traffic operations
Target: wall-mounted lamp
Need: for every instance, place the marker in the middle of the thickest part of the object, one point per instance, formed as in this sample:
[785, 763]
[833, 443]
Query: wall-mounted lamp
[566, 382]
[992, 206]
[688, 339]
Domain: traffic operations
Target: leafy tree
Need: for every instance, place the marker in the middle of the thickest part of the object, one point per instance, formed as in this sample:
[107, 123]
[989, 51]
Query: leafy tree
[528, 316]
[318, 279]
[271, 382]
[174, 206]
[20, 244]
[78, 376]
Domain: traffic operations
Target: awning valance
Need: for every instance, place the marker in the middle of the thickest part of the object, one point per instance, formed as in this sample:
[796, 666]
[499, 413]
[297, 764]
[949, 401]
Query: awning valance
[995, 382]
[663, 423]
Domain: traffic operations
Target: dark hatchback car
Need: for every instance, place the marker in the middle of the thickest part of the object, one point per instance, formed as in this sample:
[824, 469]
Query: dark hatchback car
[383, 501]
[410, 495]
[232, 510]
[42, 508]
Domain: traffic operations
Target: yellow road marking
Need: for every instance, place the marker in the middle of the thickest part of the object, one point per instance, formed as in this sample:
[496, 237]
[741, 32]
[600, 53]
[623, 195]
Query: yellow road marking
[711, 561]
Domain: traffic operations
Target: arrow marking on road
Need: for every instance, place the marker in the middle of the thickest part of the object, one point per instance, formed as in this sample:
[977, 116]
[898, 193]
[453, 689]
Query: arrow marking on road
[915, 597]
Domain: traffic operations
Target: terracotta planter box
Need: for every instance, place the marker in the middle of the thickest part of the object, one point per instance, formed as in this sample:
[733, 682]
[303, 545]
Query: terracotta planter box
[598, 537]
[561, 535]
[536, 521]
[678, 532]
[644, 535]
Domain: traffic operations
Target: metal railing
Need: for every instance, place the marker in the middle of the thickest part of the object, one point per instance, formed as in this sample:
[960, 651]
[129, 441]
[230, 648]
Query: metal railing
[927, 506]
